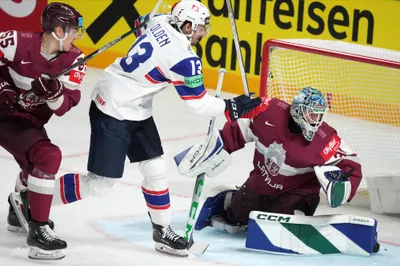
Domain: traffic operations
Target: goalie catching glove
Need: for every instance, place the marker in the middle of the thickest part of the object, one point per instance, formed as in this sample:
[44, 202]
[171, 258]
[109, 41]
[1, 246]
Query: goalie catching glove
[335, 184]
[208, 157]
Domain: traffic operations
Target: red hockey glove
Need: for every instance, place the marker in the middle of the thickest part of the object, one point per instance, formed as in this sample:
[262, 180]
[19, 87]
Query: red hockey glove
[242, 107]
[47, 89]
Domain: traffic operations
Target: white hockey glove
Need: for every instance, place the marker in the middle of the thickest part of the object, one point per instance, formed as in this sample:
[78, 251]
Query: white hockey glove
[335, 184]
[208, 157]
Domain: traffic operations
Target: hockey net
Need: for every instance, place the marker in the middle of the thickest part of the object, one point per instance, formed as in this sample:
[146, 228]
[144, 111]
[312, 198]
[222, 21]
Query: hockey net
[362, 87]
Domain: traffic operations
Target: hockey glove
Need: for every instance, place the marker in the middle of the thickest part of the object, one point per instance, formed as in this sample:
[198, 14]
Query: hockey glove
[7, 97]
[241, 107]
[335, 184]
[47, 89]
[207, 157]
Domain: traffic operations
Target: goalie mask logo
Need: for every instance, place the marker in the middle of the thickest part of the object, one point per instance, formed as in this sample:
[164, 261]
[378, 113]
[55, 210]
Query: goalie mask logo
[274, 158]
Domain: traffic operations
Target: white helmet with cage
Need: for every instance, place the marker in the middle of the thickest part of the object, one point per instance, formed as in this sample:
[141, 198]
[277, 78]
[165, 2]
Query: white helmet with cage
[194, 12]
[309, 110]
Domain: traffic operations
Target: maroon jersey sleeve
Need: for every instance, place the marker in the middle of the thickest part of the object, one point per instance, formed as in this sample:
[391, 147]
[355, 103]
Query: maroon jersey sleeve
[236, 134]
[69, 99]
[356, 174]
[343, 157]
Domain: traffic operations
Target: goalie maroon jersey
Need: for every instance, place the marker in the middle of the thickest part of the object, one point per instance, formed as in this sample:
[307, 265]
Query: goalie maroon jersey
[21, 60]
[283, 159]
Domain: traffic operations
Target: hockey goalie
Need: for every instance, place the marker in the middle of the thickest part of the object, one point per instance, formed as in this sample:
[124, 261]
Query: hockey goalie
[296, 155]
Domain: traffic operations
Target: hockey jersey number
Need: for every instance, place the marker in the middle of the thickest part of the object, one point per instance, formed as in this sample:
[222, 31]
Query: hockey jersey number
[4, 41]
[136, 57]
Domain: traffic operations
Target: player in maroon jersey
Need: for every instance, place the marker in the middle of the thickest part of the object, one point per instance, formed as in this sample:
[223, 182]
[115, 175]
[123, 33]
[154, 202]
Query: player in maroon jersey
[296, 153]
[27, 59]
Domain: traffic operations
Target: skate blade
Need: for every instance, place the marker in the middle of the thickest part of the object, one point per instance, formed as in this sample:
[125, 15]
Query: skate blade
[36, 253]
[175, 252]
[15, 229]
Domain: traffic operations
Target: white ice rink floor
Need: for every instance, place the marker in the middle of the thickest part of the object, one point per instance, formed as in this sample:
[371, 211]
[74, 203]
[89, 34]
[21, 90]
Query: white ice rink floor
[115, 230]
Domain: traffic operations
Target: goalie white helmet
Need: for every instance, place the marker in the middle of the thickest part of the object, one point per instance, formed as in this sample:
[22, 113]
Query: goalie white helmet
[194, 12]
[309, 110]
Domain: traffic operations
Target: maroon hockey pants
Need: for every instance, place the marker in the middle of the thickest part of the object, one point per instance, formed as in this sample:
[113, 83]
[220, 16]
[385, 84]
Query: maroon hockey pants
[36, 155]
[246, 200]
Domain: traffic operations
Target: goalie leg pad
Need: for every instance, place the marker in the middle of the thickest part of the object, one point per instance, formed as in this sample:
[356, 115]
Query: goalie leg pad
[310, 235]
[216, 202]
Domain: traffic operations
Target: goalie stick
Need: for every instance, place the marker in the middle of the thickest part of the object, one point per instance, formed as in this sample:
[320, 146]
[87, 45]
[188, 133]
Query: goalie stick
[100, 50]
[197, 247]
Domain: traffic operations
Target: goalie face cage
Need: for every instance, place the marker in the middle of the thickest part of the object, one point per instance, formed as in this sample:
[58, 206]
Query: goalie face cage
[362, 87]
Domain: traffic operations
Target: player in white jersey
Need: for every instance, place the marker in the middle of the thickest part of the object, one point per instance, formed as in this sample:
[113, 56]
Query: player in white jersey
[160, 56]
[121, 114]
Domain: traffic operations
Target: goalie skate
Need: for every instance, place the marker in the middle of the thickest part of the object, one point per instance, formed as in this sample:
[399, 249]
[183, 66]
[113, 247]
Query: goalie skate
[167, 241]
[219, 222]
[44, 243]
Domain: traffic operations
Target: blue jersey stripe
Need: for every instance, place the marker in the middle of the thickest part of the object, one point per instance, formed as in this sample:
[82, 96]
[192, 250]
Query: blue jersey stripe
[185, 91]
[69, 192]
[156, 75]
[156, 200]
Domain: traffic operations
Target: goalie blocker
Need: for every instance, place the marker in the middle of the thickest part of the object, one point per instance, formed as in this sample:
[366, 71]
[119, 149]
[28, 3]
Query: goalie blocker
[292, 234]
[208, 157]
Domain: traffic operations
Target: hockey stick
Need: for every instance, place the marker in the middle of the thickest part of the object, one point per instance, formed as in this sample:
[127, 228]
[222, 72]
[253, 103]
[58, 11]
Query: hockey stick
[100, 50]
[237, 46]
[196, 247]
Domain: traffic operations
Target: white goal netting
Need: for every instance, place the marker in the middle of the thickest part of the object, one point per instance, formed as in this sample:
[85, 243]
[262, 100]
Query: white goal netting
[362, 86]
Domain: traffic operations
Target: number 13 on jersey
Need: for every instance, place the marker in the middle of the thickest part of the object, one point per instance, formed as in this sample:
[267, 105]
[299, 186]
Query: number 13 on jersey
[196, 67]
[136, 57]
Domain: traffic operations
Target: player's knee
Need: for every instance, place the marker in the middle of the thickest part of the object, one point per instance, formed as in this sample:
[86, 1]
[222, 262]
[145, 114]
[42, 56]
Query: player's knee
[45, 156]
[154, 173]
[153, 169]
[245, 200]
[98, 185]
[22, 180]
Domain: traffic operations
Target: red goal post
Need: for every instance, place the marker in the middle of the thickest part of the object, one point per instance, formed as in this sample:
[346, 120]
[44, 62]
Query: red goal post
[362, 87]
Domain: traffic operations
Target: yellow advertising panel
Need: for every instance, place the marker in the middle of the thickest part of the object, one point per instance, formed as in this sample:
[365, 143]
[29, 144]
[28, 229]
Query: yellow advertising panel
[373, 23]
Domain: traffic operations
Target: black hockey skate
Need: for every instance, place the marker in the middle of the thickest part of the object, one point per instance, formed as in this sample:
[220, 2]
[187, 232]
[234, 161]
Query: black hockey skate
[44, 243]
[167, 241]
[19, 213]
